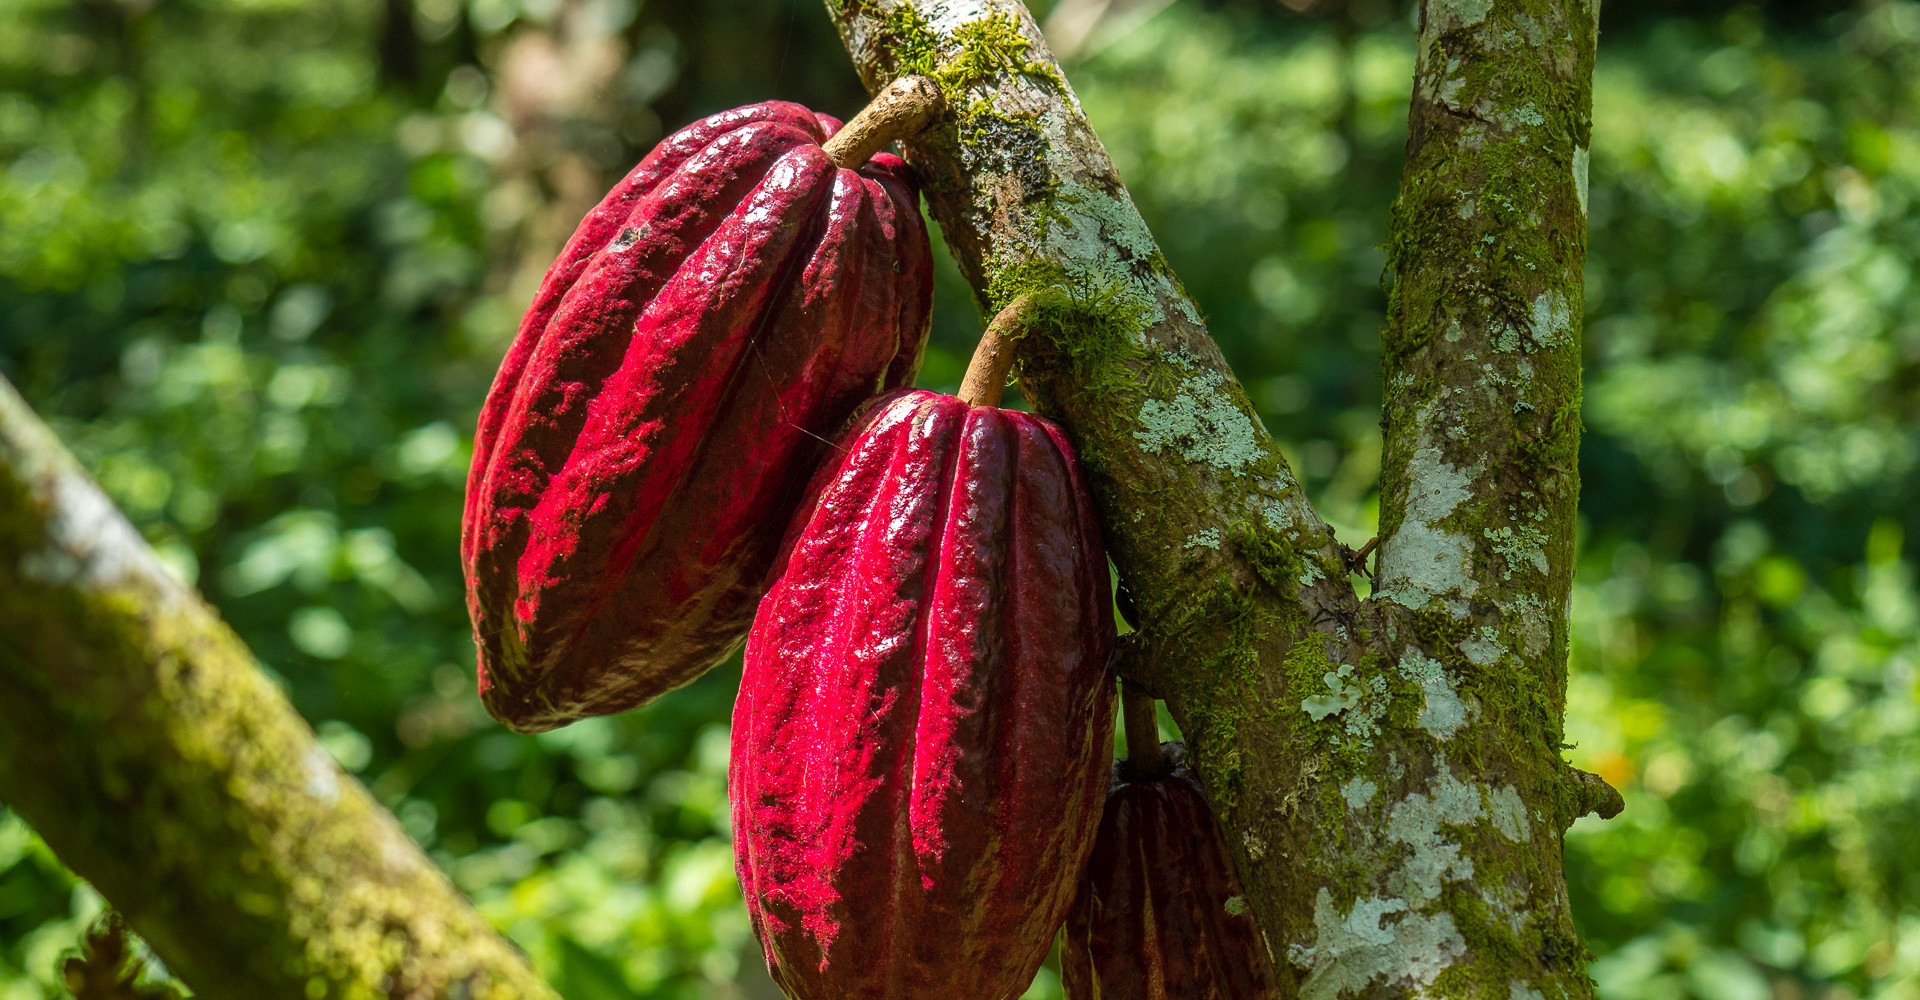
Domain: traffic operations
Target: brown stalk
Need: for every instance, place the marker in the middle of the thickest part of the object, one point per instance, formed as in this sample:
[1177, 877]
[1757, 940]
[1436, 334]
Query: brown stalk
[900, 109]
[1145, 759]
[986, 376]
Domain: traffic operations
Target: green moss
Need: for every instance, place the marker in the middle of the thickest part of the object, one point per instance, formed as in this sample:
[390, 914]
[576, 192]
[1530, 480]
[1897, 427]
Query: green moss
[144, 743]
[1222, 693]
[910, 40]
[1012, 146]
[988, 47]
[992, 46]
[1084, 331]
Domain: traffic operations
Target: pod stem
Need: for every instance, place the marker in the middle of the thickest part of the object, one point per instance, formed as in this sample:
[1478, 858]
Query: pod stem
[1145, 759]
[986, 374]
[900, 109]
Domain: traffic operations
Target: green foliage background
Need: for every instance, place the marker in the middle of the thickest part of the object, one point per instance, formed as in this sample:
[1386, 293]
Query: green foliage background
[258, 259]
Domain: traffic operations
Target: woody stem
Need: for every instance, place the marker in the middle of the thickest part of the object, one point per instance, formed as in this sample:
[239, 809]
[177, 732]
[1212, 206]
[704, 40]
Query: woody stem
[900, 109]
[1144, 756]
[986, 374]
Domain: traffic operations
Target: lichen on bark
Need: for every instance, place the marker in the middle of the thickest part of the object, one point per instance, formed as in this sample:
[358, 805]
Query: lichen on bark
[1388, 770]
[144, 744]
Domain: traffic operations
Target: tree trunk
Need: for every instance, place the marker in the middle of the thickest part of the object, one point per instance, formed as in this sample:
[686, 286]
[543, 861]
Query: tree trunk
[1388, 769]
[139, 737]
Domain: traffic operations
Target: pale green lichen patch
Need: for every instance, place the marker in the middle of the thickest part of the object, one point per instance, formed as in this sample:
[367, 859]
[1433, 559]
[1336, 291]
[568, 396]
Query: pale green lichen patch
[1416, 821]
[1508, 813]
[1483, 648]
[1552, 319]
[1532, 621]
[1452, 15]
[1395, 939]
[1355, 949]
[1201, 422]
[1208, 538]
[1519, 545]
[1423, 560]
[1101, 239]
[1580, 159]
[1442, 712]
[1526, 115]
[1362, 699]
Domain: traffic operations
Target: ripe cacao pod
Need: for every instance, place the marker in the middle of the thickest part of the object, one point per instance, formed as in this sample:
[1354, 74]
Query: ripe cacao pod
[1159, 915]
[709, 326]
[921, 740]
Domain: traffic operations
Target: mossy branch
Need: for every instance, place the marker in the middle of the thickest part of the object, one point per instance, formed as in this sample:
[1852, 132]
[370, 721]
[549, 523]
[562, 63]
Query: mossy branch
[1387, 771]
[1199, 505]
[139, 737]
[1227, 564]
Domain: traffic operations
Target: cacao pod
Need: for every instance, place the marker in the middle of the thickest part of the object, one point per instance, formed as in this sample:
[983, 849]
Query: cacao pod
[708, 327]
[921, 739]
[1159, 915]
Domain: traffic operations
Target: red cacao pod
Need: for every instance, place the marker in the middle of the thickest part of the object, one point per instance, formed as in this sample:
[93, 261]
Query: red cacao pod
[921, 741]
[655, 422]
[1159, 915]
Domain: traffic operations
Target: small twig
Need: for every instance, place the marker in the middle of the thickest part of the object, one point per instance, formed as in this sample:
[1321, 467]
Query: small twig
[900, 109]
[1357, 559]
[1595, 797]
[986, 376]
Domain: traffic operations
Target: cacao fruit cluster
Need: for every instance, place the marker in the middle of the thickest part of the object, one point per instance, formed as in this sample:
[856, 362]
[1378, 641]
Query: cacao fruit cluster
[923, 733]
[719, 314]
[924, 726]
[1159, 914]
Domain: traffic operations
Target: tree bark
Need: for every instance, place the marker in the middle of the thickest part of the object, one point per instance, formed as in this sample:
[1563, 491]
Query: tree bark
[1388, 769]
[142, 741]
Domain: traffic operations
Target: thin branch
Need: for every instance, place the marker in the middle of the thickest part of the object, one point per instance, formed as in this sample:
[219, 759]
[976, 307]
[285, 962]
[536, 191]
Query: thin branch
[1480, 475]
[142, 741]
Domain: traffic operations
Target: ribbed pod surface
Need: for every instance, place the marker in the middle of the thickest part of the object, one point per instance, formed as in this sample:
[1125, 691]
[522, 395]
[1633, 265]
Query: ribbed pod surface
[1152, 920]
[922, 737]
[716, 318]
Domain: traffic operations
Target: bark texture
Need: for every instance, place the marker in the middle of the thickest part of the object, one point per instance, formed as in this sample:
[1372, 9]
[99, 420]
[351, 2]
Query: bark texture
[1387, 770]
[141, 739]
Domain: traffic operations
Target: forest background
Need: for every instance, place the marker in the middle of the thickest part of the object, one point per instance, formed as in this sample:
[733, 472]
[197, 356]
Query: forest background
[259, 258]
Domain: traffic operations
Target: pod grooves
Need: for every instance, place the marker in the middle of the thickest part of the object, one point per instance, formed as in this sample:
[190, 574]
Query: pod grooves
[710, 324]
[922, 737]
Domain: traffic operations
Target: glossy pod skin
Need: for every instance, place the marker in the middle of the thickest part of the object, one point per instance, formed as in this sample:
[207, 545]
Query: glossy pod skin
[1152, 918]
[710, 324]
[922, 737]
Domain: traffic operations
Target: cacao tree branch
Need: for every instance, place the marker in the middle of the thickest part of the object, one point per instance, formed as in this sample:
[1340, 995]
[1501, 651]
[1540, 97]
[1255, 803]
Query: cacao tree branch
[139, 737]
[1387, 771]
[1213, 536]
[1480, 476]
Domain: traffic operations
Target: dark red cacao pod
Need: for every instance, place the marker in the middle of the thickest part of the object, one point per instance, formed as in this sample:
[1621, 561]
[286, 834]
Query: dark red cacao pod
[710, 325]
[1159, 915]
[921, 741]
